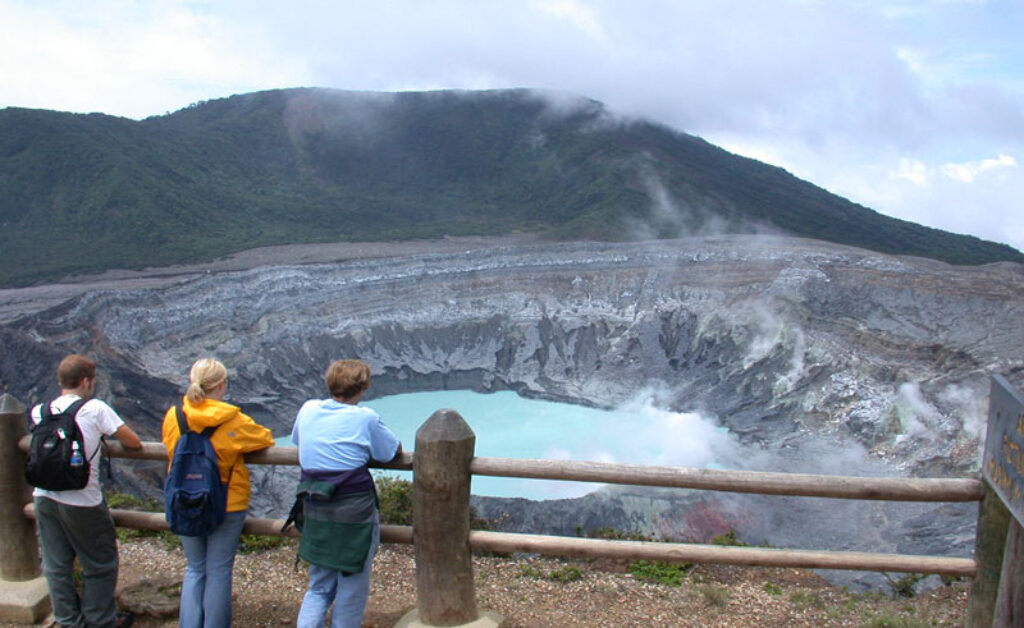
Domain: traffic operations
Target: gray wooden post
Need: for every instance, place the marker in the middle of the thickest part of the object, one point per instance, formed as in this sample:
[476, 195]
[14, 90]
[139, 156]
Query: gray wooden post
[990, 543]
[19, 550]
[441, 480]
[1010, 602]
[24, 597]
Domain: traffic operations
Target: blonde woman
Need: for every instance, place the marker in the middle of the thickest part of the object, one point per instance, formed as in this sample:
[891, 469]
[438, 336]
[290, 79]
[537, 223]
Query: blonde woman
[206, 590]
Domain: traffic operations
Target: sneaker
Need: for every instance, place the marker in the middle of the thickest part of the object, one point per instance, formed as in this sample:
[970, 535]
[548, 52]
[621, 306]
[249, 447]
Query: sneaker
[124, 619]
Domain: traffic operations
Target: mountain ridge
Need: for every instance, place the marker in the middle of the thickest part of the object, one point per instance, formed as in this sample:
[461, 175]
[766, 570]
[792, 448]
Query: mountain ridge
[319, 165]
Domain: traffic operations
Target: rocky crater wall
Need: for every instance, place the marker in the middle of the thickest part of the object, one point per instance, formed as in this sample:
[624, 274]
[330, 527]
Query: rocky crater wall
[785, 342]
[770, 335]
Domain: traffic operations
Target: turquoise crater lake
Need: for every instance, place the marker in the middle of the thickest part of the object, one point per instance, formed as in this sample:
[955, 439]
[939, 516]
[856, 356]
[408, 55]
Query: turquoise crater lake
[509, 426]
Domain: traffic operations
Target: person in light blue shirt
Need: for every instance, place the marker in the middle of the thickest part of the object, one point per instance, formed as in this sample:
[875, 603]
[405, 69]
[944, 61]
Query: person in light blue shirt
[340, 436]
[337, 439]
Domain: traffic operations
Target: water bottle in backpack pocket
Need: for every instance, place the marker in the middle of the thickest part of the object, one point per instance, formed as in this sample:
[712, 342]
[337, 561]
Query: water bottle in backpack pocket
[195, 499]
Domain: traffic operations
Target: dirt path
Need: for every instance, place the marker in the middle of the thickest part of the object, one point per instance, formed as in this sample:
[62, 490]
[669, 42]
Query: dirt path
[540, 592]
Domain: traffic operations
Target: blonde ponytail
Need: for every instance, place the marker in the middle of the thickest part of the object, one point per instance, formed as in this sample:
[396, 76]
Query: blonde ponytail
[206, 374]
[195, 393]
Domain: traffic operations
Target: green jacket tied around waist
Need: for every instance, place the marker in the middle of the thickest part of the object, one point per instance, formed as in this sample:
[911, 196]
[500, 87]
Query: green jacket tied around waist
[338, 529]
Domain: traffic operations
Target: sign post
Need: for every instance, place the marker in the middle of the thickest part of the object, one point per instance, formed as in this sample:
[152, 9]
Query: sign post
[997, 595]
[1004, 446]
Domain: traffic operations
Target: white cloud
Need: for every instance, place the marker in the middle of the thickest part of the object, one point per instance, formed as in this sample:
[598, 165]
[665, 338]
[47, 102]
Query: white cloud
[921, 174]
[968, 172]
[126, 58]
[980, 197]
[577, 13]
[913, 171]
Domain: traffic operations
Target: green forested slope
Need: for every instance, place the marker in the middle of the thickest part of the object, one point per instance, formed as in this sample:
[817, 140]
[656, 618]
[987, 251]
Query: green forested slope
[82, 193]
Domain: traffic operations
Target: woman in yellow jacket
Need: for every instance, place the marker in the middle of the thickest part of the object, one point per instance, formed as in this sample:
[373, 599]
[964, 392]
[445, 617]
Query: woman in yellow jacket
[206, 590]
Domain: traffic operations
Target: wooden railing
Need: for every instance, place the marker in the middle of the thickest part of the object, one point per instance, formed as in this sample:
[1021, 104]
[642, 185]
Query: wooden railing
[443, 464]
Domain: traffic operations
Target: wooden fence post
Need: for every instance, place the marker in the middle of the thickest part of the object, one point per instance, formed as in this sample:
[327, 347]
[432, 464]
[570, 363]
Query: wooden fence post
[989, 546]
[24, 596]
[19, 550]
[444, 567]
[1010, 602]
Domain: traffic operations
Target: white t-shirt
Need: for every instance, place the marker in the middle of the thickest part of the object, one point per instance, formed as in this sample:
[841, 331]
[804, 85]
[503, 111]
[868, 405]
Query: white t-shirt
[94, 418]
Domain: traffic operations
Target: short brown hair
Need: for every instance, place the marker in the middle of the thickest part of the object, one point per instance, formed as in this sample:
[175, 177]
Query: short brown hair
[73, 369]
[347, 378]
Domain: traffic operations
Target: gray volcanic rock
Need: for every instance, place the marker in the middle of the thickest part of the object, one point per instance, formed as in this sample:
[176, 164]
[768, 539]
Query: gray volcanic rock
[774, 336]
[791, 344]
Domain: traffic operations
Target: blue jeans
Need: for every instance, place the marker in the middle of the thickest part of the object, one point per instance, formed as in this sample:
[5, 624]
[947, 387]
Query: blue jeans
[206, 590]
[347, 593]
[86, 532]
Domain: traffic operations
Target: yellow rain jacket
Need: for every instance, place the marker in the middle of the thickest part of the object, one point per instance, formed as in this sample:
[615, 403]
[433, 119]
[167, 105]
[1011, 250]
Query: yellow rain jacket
[236, 435]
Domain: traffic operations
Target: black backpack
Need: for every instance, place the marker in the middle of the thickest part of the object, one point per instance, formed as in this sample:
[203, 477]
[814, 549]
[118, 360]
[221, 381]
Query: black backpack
[56, 456]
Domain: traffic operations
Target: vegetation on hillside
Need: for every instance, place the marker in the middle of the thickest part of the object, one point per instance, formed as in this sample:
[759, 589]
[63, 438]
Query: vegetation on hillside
[84, 193]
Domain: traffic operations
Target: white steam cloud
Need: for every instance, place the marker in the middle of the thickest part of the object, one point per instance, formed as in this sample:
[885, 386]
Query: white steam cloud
[915, 413]
[970, 405]
[656, 436]
[640, 431]
[668, 217]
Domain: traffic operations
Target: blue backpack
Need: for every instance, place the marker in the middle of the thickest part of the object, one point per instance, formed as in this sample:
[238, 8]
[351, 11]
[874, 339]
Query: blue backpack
[195, 499]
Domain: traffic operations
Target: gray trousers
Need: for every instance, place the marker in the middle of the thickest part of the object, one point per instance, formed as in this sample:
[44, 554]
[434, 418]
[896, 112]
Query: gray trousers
[66, 532]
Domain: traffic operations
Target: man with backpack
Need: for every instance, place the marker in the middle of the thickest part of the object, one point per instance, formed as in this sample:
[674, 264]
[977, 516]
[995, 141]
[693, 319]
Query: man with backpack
[72, 519]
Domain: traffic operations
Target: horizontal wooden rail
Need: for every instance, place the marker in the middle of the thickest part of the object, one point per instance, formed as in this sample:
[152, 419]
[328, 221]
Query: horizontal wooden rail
[141, 520]
[796, 484]
[692, 553]
[761, 482]
[629, 550]
[290, 456]
[273, 455]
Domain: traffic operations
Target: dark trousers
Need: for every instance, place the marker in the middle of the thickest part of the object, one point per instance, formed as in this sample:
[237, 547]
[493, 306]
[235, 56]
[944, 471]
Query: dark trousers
[67, 532]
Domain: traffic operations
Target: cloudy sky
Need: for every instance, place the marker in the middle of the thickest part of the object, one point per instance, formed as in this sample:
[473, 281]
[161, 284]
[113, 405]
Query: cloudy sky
[914, 108]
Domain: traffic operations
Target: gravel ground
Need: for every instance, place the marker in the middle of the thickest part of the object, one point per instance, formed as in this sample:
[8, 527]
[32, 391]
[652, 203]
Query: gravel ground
[538, 592]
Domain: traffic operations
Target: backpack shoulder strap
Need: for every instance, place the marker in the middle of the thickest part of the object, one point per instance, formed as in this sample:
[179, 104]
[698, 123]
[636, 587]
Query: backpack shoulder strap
[183, 424]
[72, 411]
[75, 406]
[45, 412]
[179, 412]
